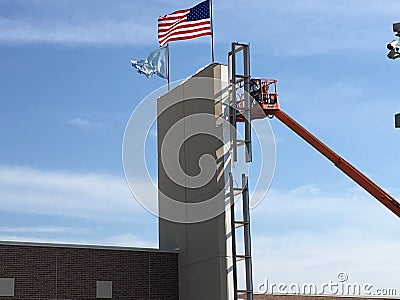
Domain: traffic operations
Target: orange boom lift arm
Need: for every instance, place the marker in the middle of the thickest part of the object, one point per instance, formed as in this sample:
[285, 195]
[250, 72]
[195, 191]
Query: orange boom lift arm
[346, 167]
[268, 100]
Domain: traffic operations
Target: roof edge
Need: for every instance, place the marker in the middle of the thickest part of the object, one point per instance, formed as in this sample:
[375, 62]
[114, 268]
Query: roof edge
[82, 246]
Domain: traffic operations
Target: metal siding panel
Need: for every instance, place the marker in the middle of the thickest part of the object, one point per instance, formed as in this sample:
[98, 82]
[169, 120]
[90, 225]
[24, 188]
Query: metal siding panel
[104, 289]
[7, 287]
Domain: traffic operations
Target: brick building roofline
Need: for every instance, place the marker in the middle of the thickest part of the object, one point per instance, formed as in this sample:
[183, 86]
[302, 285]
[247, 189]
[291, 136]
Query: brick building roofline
[82, 246]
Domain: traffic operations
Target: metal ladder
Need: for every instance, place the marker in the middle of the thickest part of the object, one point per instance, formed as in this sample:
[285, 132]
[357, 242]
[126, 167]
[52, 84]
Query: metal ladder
[243, 191]
[234, 80]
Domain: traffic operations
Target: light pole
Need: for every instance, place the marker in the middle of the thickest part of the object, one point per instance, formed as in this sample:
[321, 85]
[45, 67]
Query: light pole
[393, 46]
[394, 53]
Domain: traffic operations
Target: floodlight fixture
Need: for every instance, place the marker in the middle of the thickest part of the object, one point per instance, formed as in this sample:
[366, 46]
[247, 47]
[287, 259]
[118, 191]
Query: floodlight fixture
[396, 28]
[393, 54]
[393, 45]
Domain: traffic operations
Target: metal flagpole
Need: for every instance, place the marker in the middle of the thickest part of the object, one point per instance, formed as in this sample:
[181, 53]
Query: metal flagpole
[212, 31]
[168, 65]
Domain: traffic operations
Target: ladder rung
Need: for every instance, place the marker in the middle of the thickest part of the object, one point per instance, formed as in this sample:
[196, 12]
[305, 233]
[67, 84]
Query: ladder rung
[240, 143]
[243, 141]
[234, 194]
[238, 80]
[240, 189]
[239, 224]
[239, 258]
[242, 257]
[242, 222]
[239, 47]
[238, 193]
[242, 76]
[242, 110]
[245, 291]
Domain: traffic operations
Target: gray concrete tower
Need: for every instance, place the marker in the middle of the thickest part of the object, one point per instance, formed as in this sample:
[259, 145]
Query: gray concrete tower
[192, 133]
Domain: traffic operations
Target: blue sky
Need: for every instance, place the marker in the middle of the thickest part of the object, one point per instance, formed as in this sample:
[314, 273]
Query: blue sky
[67, 91]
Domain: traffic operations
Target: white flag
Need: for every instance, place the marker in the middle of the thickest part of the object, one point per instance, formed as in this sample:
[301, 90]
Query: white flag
[155, 63]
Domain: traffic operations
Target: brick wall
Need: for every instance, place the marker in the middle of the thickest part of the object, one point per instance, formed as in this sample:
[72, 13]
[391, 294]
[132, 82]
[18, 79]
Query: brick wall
[63, 272]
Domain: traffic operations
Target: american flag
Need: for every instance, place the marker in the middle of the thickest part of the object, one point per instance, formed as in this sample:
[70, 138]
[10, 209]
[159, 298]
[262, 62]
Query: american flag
[185, 24]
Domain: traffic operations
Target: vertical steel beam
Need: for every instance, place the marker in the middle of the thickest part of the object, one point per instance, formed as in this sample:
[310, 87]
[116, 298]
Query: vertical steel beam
[233, 236]
[247, 102]
[233, 103]
[247, 238]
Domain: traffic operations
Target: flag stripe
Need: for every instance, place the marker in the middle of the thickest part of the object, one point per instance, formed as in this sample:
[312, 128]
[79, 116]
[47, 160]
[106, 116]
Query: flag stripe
[185, 24]
[187, 33]
[172, 19]
[177, 38]
[181, 37]
[176, 13]
[168, 29]
[184, 30]
[180, 26]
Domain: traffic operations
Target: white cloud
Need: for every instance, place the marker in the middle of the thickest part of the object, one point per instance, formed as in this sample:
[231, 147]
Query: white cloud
[131, 240]
[79, 122]
[48, 229]
[122, 240]
[345, 205]
[91, 195]
[309, 235]
[81, 22]
[304, 28]
[308, 27]
[301, 258]
[53, 30]
[299, 235]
